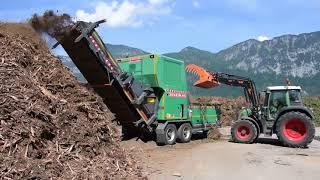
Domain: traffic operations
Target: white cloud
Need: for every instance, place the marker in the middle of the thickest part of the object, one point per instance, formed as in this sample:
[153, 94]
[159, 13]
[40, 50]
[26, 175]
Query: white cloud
[263, 38]
[127, 13]
[195, 3]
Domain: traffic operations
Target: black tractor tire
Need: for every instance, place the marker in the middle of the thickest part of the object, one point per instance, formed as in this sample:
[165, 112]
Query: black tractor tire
[170, 134]
[184, 133]
[243, 131]
[295, 129]
[205, 134]
[258, 132]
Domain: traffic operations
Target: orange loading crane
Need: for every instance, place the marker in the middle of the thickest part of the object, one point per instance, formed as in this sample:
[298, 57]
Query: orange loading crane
[206, 79]
[212, 79]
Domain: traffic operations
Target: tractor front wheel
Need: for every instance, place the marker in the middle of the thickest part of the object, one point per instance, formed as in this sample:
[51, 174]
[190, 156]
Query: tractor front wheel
[243, 131]
[295, 129]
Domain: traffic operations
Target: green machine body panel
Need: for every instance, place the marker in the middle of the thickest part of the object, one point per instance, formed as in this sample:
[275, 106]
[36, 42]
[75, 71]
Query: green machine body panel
[205, 113]
[167, 76]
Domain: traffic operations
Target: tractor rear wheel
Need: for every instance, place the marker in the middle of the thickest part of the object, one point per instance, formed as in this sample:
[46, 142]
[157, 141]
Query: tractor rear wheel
[243, 131]
[295, 129]
[184, 133]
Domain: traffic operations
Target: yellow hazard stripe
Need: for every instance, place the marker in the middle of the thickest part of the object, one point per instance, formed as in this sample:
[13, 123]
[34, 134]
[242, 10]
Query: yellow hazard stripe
[97, 38]
[155, 64]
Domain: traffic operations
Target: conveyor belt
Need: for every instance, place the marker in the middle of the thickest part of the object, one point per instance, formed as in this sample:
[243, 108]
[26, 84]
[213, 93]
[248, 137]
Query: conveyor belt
[89, 54]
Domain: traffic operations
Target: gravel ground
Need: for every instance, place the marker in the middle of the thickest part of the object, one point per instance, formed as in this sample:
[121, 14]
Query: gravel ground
[222, 159]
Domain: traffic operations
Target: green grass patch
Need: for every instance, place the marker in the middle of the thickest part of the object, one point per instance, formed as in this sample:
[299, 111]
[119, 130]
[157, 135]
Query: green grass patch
[314, 103]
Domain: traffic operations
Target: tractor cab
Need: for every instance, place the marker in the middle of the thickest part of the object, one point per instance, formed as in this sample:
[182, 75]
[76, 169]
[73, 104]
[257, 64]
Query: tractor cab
[279, 97]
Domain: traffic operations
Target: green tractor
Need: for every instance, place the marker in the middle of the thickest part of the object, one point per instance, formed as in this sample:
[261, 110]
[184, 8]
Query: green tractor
[282, 111]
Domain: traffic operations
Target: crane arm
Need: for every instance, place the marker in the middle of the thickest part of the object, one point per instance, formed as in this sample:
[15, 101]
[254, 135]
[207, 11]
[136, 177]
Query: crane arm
[209, 79]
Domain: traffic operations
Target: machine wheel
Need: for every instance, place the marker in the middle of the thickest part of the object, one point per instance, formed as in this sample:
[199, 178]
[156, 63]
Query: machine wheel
[243, 131]
[184, 133]
[295, 129]
[170, 134]
[204, 134]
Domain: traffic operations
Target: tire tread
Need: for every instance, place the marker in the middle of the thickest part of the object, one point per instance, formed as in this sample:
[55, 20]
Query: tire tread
[233, 136]
[305, 118]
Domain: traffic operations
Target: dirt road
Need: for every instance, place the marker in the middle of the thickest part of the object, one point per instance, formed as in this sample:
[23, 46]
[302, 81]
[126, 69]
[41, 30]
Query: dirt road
[201, 159]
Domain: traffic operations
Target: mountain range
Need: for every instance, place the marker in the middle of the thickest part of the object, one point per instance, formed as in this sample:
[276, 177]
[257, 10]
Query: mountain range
[268, 63]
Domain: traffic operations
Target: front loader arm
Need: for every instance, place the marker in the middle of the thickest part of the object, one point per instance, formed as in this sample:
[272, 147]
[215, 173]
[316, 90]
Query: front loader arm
[212, 79]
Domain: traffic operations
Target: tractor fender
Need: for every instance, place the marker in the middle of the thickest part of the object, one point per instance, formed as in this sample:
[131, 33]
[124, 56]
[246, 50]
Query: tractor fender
[254, 122]
[301, 109]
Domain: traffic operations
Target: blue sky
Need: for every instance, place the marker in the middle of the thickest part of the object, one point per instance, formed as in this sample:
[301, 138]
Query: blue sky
[161, 26]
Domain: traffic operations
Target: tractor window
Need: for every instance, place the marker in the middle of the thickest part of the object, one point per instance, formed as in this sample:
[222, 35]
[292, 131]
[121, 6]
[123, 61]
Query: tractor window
[277, 101]
[294, 97]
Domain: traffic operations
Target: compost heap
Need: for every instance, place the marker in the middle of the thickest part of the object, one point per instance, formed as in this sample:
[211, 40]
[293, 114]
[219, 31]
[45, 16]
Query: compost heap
[230, 108]
[52, 127]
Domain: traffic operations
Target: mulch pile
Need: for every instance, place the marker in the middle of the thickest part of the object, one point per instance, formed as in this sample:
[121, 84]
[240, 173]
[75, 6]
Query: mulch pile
[50, 126]
[214, 134]
[229, 108]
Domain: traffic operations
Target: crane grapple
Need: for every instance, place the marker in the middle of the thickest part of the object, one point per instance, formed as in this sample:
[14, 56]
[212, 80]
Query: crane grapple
[206, 79]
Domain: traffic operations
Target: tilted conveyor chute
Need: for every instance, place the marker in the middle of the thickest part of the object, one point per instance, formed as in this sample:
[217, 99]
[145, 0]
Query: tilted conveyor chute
[124, 96]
